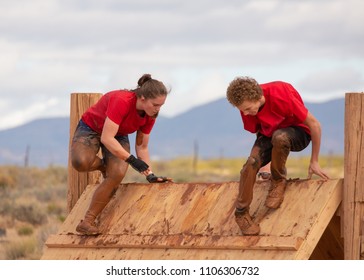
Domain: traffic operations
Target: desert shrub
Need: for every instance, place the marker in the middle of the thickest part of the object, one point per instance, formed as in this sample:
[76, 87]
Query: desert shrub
[44, 195]
[21, 250]
[25, 231]
[6, 181]
[6, 206]
[61, 218]
[55, 209]
[56, 175]
[30, 214]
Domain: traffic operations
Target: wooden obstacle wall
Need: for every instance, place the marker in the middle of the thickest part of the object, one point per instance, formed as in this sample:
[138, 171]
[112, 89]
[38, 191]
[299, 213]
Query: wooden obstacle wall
[196, 221]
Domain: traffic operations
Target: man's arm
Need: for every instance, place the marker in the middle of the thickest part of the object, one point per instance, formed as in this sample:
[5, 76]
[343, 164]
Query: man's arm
[315, 128]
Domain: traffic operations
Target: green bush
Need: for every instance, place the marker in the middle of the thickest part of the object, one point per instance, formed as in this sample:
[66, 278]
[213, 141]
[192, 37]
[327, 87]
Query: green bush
[25, 231]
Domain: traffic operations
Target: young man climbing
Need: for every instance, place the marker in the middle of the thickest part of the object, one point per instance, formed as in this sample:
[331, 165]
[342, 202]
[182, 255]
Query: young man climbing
[282, 123]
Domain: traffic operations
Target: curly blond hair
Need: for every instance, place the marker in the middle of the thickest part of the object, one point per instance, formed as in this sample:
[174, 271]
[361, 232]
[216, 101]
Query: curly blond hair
[242, 89]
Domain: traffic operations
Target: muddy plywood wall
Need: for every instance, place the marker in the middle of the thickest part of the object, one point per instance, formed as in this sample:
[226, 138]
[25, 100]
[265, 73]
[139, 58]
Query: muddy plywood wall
[196, 221]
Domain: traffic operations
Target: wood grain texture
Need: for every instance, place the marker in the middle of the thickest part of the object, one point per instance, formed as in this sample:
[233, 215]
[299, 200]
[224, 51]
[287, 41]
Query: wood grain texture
[353, 196]
[77, 182]
[196, 221]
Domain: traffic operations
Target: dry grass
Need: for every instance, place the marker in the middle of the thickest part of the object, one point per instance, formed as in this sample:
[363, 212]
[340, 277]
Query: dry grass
[32, 205]
[228, 169]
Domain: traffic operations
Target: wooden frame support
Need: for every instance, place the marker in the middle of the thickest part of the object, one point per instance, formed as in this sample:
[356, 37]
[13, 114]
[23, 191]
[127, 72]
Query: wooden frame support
[353, 193]
[77, 181]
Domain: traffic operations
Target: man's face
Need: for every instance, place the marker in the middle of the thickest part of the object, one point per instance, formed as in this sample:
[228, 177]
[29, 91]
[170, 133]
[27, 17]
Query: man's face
[249, 107]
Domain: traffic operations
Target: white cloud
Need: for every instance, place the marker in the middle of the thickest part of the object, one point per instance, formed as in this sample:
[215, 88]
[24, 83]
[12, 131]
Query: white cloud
[334, 80]
[50, 49]
[22, 114]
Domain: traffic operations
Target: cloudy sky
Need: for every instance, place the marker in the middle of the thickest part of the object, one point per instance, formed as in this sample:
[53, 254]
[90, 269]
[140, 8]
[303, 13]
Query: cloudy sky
[49, 49]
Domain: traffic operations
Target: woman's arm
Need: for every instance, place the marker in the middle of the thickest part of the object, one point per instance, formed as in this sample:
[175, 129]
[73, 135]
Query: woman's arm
[141, 149]
[108, 139]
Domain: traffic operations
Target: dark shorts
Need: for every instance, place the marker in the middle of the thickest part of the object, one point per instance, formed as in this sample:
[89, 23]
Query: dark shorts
[91, 138]
[298, 138]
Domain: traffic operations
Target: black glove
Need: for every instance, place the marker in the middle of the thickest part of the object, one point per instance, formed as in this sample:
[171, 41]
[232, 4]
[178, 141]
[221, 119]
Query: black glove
[155, 179]
[137, 164]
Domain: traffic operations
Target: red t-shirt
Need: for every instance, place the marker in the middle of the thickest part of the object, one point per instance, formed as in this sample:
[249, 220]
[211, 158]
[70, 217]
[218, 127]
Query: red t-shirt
[283, 108]
[120, 107]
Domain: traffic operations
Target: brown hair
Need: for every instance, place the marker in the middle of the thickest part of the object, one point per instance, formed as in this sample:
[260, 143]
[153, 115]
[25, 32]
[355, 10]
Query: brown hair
[150, 88]
[242, 89]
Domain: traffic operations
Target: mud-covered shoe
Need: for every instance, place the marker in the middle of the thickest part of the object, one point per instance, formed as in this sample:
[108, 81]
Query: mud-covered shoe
[87, 228]
[246, 224]
[276, 194]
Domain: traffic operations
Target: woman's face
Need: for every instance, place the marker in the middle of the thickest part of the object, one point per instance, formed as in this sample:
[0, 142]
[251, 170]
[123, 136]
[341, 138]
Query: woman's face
[152, 106]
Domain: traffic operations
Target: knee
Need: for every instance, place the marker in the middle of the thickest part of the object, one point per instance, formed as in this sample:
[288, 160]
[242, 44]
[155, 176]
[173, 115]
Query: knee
[252, 162]
[115, 172]
[280, 139]
[81, 164]
[115, 178]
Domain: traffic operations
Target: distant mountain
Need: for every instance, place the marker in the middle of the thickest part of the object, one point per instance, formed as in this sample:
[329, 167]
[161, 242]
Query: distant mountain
[212, 130]
[45, 139]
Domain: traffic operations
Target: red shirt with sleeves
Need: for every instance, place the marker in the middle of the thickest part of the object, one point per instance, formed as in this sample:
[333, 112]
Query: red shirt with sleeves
[283, 107]
[120, 107]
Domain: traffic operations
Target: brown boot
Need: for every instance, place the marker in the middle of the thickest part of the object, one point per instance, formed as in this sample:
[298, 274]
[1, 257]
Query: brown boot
[88, 226]
[246, 224]
[276, 194]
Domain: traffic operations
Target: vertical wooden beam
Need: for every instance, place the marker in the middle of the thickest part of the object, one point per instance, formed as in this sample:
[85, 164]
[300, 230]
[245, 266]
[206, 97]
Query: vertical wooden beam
[77, 181]
[353, 193]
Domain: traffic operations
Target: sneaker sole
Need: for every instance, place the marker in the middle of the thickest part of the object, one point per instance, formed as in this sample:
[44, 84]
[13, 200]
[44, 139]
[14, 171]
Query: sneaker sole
[85, 232]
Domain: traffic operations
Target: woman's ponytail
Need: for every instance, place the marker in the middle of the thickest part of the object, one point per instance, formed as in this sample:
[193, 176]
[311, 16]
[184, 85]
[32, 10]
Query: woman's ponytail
[150, 88]
[143, 79]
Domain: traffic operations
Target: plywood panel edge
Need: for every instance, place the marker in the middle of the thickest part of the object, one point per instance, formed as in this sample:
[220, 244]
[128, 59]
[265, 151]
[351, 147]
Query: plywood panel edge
[322, 221]
[176, 242]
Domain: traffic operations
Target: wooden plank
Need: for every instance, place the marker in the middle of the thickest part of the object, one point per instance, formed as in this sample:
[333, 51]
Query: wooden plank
[101, 253]
[353, 193]
[180, 241]
[362, 232]
[331, 244]
[77, 182]
[317, 228]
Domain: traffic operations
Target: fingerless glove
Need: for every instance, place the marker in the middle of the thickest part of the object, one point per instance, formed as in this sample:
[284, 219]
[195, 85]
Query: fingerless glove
[154, 179]
[137, 164]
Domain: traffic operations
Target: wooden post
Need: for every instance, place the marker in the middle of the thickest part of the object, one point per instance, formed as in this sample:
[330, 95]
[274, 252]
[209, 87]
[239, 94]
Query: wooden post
[353, 196]
[77, 181]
